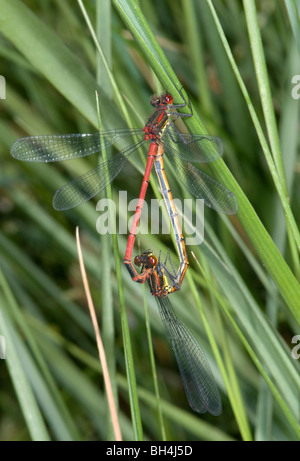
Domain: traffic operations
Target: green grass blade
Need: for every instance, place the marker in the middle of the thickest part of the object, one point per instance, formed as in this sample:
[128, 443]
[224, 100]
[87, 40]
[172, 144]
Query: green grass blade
[23, 389]
[292, 7]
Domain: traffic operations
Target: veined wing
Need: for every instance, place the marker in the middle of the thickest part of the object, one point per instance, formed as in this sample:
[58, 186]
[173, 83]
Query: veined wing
[93, 181]
[199, 384]
[55, 148]
[193, 148]
[202, 186]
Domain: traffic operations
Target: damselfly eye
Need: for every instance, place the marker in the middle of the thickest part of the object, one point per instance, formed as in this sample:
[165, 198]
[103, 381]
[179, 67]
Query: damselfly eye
[153, 260]
[169, 98]
[137, 261]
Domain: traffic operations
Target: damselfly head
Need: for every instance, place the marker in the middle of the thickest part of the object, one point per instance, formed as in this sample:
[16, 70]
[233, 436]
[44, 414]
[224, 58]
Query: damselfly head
[147, 259]
[161, 100]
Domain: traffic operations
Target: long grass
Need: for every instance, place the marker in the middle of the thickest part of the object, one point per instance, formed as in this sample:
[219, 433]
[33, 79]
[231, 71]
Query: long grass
[241, 295]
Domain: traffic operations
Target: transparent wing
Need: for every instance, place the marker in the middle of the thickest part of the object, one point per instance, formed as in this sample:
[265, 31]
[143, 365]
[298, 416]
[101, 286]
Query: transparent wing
[93, 181]
[199, 384]
[193, 147]
[202, 186]
[55, 148]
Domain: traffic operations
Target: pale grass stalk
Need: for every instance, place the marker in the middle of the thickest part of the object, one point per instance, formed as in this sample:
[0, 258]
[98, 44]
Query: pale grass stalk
[102, 356]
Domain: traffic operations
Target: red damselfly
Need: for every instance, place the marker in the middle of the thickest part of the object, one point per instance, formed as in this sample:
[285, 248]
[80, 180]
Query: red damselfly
[182, 149]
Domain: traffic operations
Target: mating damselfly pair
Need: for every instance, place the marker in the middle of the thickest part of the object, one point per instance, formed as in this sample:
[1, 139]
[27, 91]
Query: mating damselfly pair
[183, 150]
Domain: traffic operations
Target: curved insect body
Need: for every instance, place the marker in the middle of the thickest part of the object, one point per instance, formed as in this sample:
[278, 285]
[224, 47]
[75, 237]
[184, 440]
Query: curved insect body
[182, 149]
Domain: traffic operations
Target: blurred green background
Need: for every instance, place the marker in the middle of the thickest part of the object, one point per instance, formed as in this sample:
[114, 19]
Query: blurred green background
[244, 292]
